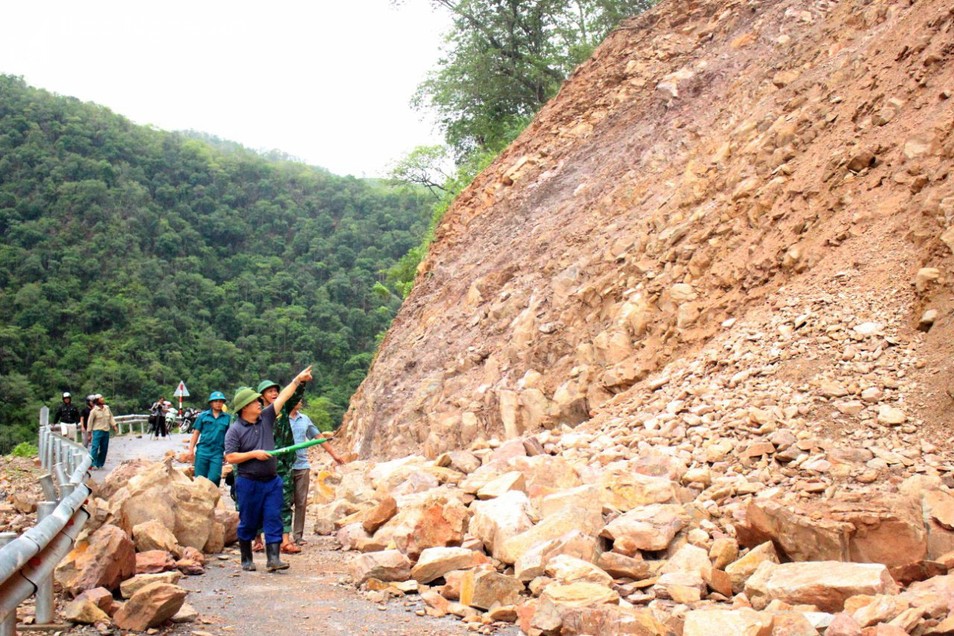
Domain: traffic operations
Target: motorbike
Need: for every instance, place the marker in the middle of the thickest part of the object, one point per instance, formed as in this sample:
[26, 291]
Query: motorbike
[187, 419]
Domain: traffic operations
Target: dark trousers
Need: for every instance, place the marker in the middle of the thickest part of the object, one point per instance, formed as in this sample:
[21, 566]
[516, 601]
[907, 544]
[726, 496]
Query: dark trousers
[260, 506]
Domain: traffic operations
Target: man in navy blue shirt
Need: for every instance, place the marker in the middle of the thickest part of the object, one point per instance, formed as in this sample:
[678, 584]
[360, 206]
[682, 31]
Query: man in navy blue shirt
[258, 485]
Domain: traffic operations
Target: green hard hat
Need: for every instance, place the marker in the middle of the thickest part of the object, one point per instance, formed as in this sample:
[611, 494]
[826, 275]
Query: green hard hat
[216, 395]
[243, 397]
[265, 384]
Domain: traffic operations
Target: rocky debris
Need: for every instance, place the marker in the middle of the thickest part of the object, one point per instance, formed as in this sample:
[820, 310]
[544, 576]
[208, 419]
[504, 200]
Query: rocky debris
[19, 492]
[151, 532]
[709, 561]
[150, 606]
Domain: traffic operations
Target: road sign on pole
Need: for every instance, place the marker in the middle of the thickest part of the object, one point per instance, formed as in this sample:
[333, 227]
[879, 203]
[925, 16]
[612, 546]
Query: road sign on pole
[181, 392]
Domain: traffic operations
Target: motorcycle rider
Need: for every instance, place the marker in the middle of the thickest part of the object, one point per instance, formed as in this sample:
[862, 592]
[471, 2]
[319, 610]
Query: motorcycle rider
[66, 415]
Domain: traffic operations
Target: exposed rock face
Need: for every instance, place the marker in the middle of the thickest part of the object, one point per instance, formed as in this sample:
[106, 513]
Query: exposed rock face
[693, 323]
[712, 179]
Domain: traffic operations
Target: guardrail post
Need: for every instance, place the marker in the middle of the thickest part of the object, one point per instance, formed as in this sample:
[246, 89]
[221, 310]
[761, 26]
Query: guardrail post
[49, 490]
[48, 447]
[44, 589]
[9, 625]
[67, 490]
[61, 476]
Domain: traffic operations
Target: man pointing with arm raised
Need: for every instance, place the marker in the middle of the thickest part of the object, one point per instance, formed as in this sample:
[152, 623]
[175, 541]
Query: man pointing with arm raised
[258, 486]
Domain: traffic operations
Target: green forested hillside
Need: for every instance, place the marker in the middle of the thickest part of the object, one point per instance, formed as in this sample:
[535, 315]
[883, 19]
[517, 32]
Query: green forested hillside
[132, 258]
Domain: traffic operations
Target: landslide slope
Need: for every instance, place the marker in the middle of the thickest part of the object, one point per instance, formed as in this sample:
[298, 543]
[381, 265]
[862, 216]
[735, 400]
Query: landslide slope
[730, 220]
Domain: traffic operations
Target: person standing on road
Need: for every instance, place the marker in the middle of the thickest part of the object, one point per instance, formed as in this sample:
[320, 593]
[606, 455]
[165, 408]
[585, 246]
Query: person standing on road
[157, 417]
[283, 439]
[207, 446]
[84, 420]
[258, 484]
[66, 415]
[101, 421]
[303, 429]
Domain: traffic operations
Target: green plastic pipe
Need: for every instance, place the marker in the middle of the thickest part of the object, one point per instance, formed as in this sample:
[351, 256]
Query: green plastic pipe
[293, 448]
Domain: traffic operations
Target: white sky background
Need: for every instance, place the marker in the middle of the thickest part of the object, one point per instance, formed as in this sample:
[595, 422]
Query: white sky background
[328, 81]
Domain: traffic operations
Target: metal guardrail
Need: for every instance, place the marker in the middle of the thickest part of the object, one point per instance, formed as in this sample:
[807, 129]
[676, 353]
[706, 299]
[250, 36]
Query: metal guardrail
[27, 562]
[131, 420]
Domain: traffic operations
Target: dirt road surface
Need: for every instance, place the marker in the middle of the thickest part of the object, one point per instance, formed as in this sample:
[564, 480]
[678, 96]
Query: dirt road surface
[311, 597]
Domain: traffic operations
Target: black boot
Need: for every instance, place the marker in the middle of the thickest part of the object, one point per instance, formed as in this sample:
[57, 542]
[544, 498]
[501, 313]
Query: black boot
[273, 562]
[246, 548]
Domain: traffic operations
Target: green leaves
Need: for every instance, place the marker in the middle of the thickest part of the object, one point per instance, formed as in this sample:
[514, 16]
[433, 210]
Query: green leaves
[504, 59]
[134, 258]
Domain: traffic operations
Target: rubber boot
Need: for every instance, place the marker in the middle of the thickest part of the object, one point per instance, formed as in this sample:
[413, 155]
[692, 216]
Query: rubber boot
[272, 554]
[247, 563]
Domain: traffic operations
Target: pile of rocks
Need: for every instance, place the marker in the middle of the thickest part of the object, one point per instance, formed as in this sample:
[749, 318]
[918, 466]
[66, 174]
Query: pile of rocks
[150, 524]
[537, 532]
[19, 493]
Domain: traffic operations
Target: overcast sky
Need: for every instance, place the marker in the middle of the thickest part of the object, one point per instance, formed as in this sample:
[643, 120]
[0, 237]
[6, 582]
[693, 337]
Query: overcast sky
[326, 81]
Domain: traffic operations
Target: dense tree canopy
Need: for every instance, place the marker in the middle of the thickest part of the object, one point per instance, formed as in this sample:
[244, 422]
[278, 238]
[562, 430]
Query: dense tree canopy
[504, 59]
[132, 258]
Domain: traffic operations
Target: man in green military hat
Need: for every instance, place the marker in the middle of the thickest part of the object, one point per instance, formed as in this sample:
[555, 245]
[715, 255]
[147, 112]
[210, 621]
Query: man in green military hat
[283, 438]
[207, 447]
[258, 484]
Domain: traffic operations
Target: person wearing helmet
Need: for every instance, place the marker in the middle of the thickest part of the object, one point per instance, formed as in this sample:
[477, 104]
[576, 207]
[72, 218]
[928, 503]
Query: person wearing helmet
[66, 415]
[207, 447]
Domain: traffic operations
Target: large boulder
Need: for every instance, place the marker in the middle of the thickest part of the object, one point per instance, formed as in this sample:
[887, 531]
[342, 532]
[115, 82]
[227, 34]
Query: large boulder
[150, 606]
[385, 565]
[649, 527]
[569, 519]
[104, 559]
[824, 584]
[425, 520]
[130, 586]
[887, 529]
[497, 520]
[154, 561]
[484, 587]
[161, 493]
[436, 562]
[119, 477]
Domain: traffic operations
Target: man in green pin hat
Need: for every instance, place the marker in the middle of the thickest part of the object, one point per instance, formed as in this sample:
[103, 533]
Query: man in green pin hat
[207, 446]
[283, 438]
[258, 484]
